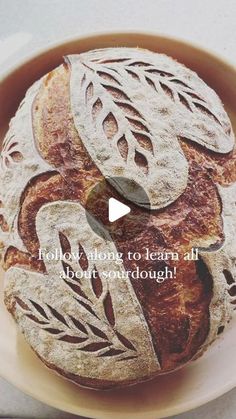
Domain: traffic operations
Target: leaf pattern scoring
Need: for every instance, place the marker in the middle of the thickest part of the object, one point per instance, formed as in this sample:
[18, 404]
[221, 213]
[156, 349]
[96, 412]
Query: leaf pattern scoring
[67, 328]
[139, 104]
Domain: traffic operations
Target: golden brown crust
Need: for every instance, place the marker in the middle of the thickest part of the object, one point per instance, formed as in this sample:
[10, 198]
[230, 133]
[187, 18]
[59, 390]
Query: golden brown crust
[177, 310]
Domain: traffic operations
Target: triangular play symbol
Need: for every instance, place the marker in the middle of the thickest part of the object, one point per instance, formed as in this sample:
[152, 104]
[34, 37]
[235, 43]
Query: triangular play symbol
[116, 210]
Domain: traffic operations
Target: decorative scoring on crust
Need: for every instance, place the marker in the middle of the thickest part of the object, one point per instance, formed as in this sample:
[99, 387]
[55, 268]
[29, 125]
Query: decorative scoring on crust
[48, 308]
[130, 106]
[221, 263]
[20, 162]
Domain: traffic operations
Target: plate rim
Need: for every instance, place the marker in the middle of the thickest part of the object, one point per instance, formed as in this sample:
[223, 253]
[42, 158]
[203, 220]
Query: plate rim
[38, 51]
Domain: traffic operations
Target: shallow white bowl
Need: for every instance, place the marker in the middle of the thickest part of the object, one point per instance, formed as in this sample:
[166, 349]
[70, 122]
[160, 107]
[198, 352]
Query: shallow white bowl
[199, 382]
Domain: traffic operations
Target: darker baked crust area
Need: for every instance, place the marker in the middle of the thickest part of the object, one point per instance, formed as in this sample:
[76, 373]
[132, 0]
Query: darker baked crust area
[13, 256]
[220, 167]
[177, 310]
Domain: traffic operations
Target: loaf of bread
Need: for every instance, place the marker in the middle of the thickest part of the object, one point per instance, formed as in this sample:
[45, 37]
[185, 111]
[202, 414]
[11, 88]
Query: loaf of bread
[132, 113]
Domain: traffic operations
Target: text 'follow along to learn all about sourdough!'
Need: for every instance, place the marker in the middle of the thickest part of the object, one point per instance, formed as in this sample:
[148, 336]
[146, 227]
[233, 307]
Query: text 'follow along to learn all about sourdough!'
[78, 265]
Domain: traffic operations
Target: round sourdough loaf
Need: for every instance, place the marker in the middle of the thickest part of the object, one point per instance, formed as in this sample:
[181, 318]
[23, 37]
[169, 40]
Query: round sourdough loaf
[119, 112]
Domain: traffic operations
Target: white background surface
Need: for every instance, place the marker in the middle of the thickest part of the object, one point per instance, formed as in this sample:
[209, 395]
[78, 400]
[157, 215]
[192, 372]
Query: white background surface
[28, 25]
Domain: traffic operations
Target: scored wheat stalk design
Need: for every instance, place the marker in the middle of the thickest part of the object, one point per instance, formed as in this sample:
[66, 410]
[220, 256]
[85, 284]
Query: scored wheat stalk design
[67, 328]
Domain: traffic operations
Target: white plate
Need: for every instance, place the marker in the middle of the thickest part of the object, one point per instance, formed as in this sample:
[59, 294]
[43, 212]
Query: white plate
[199, 382]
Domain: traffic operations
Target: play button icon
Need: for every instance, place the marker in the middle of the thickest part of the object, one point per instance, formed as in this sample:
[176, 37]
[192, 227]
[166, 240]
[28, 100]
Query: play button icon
[117, 210]
[107, 206]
